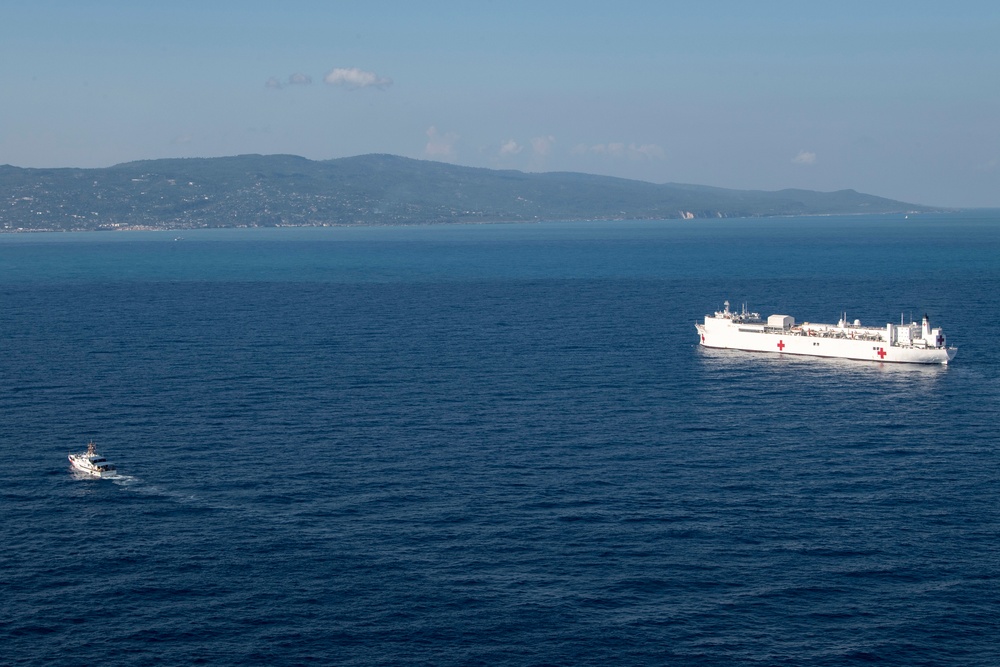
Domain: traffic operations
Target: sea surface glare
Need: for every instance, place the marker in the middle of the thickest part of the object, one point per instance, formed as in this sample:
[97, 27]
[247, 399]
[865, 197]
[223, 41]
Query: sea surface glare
[497, 445]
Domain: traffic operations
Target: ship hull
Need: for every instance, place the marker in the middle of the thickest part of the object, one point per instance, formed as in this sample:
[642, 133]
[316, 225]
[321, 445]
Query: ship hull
[82, 464]
[814, 346]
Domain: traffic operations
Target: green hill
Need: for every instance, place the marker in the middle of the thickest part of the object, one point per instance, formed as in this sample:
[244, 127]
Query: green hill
[258, 191]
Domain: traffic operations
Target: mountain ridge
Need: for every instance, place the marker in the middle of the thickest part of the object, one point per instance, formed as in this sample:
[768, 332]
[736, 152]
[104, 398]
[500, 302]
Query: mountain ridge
[375, 189]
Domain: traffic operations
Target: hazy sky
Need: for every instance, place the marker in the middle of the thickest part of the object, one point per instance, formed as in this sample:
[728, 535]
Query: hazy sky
[899, 99]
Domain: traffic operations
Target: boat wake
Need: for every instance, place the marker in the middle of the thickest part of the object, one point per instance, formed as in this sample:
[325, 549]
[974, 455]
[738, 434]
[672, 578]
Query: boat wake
[137, 485]
[134, 484]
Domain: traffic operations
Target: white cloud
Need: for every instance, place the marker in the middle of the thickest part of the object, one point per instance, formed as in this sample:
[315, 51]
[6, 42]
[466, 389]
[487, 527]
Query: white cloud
[542, 146]
[648, 151]
[297, 79]
[804, 157]
[618, 149]
[354, 78]
[441, 146]
[510, 147]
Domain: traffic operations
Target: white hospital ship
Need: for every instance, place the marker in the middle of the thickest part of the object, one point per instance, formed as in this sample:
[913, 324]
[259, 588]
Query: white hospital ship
[902, 343]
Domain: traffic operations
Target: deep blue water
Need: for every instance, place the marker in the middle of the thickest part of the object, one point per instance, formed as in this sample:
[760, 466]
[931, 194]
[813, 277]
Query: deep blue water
[496, 445]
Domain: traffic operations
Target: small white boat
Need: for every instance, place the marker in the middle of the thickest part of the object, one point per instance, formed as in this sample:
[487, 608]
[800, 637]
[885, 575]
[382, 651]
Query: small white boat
[92, 463]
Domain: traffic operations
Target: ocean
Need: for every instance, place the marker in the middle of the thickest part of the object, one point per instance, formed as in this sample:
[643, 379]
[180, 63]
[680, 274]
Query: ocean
[497, 445]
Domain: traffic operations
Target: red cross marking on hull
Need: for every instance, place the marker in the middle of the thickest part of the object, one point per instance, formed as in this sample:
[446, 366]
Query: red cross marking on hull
[881, 352]
[781, 345]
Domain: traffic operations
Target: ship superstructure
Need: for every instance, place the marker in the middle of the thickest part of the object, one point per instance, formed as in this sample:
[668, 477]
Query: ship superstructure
[913, 343]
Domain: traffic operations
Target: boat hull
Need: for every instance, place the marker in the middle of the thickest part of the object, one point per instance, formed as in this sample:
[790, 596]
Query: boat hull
[816, 346]
[82, 464]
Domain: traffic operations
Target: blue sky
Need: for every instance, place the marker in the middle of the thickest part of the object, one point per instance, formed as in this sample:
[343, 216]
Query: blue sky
[899, 99]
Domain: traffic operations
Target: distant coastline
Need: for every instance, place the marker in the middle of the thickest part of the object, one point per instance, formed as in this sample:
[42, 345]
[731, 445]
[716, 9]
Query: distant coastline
[372, 190]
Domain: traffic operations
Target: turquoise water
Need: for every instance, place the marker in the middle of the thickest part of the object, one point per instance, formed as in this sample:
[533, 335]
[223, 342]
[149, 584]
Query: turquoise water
[807, 247]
